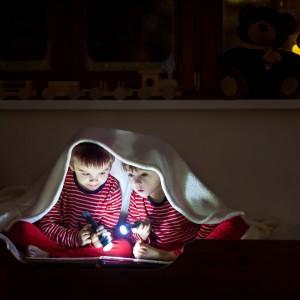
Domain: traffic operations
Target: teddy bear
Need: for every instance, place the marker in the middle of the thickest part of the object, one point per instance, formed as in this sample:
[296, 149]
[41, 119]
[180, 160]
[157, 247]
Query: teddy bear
[258, 67]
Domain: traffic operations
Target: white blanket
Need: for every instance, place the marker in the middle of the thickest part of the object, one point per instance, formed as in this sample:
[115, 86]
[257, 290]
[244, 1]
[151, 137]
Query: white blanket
[183, 189]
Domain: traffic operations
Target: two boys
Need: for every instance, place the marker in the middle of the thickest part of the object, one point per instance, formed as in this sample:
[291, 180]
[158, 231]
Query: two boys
[89, 186]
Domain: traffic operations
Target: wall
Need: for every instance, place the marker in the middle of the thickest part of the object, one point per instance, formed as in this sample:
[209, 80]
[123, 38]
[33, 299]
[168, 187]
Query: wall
[247, 154]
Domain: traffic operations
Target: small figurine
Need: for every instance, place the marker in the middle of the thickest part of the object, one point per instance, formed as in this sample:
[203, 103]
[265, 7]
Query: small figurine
[259, 67]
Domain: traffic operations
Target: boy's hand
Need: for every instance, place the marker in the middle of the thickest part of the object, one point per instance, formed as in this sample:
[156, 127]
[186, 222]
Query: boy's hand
[145, 251]
[143, 230]
[95, 236]
[84, 236]
[142, 250]
[139, 250]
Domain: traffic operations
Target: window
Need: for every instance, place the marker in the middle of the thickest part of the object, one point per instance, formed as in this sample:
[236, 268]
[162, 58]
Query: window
[136, 35]
[24, 35]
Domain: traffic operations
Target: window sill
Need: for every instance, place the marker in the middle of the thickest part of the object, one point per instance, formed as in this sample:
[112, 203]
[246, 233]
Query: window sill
[6, 105]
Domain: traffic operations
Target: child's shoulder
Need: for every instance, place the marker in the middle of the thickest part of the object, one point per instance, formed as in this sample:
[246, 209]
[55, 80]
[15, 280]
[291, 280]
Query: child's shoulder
[136, 197]
[111, 180]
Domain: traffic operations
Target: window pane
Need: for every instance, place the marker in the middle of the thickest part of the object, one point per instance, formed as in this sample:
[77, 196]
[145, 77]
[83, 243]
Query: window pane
[137, 31]
[23, 30]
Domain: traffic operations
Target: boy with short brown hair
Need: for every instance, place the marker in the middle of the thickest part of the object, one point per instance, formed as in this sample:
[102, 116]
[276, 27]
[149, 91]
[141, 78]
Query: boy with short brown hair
[163, 231]
[88, 186]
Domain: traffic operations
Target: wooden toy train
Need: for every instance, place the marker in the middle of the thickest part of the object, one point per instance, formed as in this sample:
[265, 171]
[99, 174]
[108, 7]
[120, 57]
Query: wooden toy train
[151, 85]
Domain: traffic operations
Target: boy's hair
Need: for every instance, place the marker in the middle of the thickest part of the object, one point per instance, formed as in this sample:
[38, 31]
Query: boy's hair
[91, 154]
[129, 168]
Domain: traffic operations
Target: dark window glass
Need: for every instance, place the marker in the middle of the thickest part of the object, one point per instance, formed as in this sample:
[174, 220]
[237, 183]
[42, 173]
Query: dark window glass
[23, 30]
[129, 31]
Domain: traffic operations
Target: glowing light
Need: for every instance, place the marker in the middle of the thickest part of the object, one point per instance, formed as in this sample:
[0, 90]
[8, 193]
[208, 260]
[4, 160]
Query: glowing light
[123, 229]
[296, 49]
[126, 227]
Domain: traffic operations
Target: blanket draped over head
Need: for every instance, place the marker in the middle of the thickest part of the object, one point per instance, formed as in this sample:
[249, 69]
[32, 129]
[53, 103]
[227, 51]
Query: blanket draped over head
[185, 192]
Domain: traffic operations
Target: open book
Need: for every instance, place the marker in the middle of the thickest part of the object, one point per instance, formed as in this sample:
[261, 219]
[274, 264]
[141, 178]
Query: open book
[105, 260]
[101, 261]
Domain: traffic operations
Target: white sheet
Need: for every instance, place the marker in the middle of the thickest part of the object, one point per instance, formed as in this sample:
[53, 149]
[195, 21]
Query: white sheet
[183, 189]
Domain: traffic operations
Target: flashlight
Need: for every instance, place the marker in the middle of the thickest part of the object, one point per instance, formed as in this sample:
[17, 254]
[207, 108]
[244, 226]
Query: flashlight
[124, 229]
[104, 240]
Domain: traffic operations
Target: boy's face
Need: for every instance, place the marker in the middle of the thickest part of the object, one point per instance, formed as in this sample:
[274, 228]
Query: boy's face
[146, 183]
[90, 177]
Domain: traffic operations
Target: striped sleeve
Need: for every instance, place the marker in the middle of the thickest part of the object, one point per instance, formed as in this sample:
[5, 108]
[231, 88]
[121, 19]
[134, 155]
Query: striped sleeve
[113, 207]
[133, 216]
[205, 230]
[52, 225]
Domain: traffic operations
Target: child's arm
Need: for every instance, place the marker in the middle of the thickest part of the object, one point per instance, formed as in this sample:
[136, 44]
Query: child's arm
[113, 207]
[142, 232]
[145, 251]
[52, 225]
[205, 230]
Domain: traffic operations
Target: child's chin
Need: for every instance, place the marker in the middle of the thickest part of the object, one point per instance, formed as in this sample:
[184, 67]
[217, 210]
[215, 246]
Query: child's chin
[92, 188]
[144, 195]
